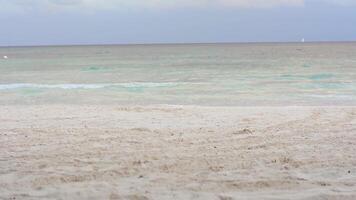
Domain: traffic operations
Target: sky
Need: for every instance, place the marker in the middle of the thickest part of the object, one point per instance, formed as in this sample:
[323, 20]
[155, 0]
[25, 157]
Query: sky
[61, 22]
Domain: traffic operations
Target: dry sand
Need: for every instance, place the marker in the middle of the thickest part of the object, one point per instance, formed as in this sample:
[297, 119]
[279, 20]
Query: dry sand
[172, 152]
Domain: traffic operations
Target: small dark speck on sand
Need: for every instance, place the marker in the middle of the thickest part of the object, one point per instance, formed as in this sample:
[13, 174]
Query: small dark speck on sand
[349, 172]
[245, 131]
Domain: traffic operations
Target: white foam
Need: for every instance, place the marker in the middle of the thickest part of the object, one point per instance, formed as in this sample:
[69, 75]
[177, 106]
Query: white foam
[13, 86]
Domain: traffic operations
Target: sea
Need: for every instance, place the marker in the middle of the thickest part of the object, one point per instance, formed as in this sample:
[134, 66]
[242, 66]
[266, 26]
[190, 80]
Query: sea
[236, 74]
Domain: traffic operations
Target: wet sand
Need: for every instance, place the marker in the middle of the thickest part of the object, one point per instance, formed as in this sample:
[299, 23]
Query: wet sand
[177, 152]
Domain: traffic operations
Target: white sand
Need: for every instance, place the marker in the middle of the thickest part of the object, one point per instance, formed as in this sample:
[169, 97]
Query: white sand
[170, 152]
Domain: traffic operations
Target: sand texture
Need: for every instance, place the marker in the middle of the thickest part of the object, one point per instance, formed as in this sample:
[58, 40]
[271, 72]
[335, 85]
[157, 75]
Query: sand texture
[172, 152]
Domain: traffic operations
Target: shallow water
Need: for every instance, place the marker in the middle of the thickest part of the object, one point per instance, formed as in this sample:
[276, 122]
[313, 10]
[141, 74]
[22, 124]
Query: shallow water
[200, 74]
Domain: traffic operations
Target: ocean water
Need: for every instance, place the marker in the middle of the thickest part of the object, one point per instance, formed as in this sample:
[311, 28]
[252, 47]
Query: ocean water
[191, 74]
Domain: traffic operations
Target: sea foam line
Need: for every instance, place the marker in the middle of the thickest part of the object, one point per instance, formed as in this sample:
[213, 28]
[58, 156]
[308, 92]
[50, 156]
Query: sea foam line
[13, 86]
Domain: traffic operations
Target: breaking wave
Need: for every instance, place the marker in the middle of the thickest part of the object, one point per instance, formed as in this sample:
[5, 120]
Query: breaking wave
[14, 86]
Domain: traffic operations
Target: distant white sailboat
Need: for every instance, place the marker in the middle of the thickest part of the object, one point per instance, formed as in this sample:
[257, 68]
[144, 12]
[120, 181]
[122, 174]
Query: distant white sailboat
[303, 40]
[5, 57]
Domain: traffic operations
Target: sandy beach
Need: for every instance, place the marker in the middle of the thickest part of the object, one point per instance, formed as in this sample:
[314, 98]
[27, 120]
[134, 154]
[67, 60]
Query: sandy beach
[177, 152]
[178, 100]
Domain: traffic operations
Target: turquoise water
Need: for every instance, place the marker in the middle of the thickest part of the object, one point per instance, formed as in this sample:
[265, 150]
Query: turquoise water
[200, 74]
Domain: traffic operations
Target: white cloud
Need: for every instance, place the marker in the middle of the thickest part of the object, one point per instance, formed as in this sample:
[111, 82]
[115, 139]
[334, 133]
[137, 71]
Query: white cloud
[53, 5]
[144, 3]
[179, 3]
[342, 2]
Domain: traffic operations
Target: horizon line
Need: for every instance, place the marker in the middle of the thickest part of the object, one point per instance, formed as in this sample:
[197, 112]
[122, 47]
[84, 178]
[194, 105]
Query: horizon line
[176, 43]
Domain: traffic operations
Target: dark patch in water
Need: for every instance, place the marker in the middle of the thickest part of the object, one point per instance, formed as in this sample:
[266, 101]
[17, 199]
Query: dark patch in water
[95, 69]
[30, 91]
[329, 86]
[135, 89]
[291, 77]
[320, 76]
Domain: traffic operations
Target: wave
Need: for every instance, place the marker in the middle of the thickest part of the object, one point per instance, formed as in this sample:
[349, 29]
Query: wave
[13, 86]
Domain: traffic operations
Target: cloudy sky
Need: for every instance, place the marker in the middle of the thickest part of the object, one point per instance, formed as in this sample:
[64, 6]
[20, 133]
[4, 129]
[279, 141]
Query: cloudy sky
[45, 22]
